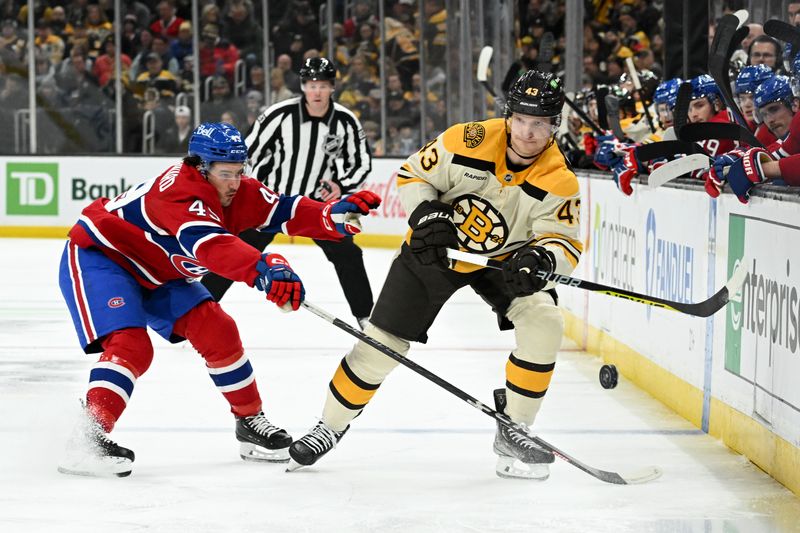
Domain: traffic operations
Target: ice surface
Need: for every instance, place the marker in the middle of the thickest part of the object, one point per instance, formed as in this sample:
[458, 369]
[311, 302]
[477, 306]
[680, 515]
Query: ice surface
[418, 459]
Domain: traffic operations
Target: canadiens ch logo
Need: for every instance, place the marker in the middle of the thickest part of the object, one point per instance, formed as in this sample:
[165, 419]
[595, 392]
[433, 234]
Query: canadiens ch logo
[481, 227]
[117, 301]
[474, 134]
[188, 267]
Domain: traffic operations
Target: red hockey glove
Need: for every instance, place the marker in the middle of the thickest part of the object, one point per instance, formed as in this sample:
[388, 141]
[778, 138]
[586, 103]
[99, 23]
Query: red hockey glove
[345, 214]
[277, 279]
[747, 172]
[626, 168]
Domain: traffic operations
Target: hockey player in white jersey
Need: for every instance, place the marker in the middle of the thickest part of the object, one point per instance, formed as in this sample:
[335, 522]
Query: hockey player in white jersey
[501, 188]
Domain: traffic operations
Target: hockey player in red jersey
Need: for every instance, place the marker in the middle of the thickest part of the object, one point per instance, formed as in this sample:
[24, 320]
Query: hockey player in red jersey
[131, 262]
[707, 106]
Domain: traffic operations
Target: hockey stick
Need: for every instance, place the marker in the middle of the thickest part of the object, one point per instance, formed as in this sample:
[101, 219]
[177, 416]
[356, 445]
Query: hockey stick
[612, 109]
[701, 131]
[583, 116]
[680, 113]
[602, 113]
[546, 51]
[637, 85]
[484, 59]
[665, 149]
[642, 476]
[678, 167]
[705, 308]
[719, 57]
[784, 32]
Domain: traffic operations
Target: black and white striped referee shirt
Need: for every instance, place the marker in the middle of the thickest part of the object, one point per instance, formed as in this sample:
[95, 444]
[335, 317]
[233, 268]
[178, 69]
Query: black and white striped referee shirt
[291, 152]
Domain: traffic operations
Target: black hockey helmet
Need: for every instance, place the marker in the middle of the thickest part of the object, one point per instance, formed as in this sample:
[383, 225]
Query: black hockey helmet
[317, 68]
[536, 93]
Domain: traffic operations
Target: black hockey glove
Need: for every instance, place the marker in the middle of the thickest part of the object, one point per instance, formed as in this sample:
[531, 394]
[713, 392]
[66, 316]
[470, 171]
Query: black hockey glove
[519, 270]
[432, 232]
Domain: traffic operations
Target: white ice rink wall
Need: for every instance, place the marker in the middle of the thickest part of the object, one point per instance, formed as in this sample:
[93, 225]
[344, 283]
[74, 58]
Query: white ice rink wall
[735, 375]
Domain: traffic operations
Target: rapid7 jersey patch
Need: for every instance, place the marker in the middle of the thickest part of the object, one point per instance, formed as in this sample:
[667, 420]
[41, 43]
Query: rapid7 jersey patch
[481, 227]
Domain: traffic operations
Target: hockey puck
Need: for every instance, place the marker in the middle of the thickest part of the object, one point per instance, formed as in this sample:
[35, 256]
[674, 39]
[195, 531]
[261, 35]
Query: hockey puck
[608, 376]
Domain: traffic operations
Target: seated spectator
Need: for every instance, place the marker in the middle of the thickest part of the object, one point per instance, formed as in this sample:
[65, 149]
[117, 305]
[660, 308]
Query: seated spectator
[12, 43]
[182, 46]
[221, 101]
[50, 45]
[362, 14]
[156, 77]
[358, 82]
[58, 23]
[167, 23]
[373, 134]
[254, 102]
[97, 24]
[366, 43]
[217, 56]
[145, 45]
[104, 66]
[256, 78]
[161, 47]
[284, 62]
[242, 30]
[45, 71]
[297, 31]
[279, 90]
[176, 138]
[209, 15]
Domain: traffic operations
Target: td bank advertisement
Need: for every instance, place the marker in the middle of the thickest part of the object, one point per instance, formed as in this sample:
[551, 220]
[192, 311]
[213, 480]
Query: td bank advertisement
[762, 331]
[43, 191]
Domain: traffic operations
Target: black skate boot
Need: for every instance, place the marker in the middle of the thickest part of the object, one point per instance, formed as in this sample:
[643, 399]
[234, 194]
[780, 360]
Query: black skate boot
[317, 442]
[513, 446]
[262, 441]
[91, 453]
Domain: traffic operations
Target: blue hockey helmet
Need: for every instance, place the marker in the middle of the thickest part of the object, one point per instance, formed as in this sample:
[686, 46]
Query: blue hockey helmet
[667, 92]
[704, 86]
[775, 89]
[217, 142]
[750, 77]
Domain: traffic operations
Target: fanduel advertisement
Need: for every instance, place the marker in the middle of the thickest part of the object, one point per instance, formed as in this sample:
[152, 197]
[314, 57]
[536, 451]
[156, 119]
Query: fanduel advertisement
[669, 265]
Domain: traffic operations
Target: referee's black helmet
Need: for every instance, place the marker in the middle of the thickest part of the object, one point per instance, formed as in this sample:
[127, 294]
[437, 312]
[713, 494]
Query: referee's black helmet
[317, 68]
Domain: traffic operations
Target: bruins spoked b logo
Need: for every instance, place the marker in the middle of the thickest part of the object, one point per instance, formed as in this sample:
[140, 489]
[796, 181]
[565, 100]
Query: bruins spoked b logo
[481, 227]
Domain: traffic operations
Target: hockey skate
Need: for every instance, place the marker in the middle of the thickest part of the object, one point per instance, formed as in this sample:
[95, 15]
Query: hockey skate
[317, 442]
[262, 441]
[518, 456]
[91, 453]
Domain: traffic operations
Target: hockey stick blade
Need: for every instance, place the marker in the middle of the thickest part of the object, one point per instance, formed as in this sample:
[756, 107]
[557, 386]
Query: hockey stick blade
[701, 131]
[702, 309]
[783, 32]
[641, 476]
[664, 149]
[637, 85]
[679, 167]
[612, 108]
[484, 59]
[742, 15]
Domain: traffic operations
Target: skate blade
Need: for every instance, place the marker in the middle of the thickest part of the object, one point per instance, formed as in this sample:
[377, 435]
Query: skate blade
[510, 468]
[97, 468]
[252, 452]
[294, 465]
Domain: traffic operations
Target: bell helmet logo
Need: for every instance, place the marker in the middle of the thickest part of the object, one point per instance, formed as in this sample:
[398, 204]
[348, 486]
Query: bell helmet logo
[32, 188]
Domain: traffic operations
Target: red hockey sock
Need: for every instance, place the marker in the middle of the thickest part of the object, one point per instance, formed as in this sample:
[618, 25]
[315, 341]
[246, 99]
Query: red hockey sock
[214, 334]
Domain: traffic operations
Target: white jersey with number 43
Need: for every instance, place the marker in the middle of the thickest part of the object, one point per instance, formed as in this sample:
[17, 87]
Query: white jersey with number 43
[497, 209]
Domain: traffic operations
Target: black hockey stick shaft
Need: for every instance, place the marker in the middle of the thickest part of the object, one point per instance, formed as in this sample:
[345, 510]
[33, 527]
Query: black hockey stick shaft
[680, 114]
[719, 61]
[583, 116]
[705, 308]
[783, 31]
[602, 475]
[612, 108]
[602, 113]
[666, 149]
[701, 131]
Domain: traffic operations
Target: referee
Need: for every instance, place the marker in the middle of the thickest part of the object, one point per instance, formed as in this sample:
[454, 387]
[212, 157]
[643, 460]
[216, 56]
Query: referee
[293, 148]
